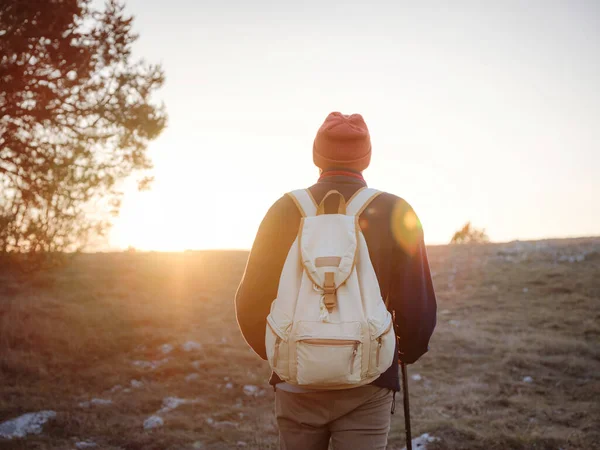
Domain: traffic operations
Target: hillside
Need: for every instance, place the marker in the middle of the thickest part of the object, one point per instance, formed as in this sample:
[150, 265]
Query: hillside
[112, 339]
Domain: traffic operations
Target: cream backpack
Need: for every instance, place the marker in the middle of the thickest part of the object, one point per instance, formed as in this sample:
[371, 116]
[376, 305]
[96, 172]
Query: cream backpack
[328, 327]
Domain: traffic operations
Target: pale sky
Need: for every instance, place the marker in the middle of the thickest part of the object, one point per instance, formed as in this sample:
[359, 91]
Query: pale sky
[487, 111]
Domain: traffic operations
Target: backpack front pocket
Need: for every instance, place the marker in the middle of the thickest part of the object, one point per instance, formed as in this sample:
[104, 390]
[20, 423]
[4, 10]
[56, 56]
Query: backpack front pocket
[328, 362]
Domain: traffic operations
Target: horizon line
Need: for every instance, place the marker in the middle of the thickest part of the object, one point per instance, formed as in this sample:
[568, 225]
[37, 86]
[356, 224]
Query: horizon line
[132, 249]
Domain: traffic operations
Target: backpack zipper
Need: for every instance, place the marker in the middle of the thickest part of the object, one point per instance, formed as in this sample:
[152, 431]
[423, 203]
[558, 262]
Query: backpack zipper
[354, 352]
[276, 352]
[319, 341]
[380, 343]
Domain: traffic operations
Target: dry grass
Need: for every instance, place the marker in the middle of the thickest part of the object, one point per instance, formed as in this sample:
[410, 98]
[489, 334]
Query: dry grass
[71, 335]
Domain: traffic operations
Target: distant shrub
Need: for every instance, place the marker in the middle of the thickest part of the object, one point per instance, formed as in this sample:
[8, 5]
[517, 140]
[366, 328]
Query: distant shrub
[470, 235]
[26, 264]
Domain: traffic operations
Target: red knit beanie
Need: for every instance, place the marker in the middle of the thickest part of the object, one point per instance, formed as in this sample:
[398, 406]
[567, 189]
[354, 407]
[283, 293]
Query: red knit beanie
[343, 142]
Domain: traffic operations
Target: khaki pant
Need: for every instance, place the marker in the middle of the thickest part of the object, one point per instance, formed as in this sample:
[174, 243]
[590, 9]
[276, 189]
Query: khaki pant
[354, 419]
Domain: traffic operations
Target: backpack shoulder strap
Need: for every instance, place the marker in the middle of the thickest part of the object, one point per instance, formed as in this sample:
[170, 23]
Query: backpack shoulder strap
[304, 201]
[360, 200]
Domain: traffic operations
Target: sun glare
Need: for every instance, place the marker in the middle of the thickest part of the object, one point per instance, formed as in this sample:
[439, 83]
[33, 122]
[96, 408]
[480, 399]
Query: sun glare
[164, 220]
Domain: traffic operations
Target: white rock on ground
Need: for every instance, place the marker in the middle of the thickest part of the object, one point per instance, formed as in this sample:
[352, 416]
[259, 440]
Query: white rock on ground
[417, 377]
[166, 348]
[116, 388]
[573, 258]
[143, 364]
[191, 346]
[170, 403]
[422, 441]
[241, 444]
[153, 422]
[250, 389]
[229, 386]
[86, 444]
[192, 377]
[150, 364]
[527, 380]
[454, 323]
[136, 384]
[30, 423]
[197, 364]
[95, 401]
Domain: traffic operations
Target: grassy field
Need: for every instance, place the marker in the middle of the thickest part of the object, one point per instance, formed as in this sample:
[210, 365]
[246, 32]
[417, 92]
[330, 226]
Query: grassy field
[505, 313]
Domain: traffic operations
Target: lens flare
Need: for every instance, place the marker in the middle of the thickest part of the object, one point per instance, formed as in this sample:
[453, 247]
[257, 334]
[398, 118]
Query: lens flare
[363, 223]
[410, 220]
[406, 227]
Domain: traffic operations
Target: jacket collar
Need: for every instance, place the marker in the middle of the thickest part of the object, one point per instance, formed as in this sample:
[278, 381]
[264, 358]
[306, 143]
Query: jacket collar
[343, 176]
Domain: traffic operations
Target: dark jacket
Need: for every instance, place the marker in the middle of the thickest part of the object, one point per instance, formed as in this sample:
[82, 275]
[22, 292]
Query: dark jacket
[395, 241]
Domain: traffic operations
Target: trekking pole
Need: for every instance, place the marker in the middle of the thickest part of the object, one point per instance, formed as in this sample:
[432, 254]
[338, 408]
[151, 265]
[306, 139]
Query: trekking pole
[406, 408]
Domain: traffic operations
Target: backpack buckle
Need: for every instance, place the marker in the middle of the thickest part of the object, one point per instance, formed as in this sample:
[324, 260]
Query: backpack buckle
[329, 291]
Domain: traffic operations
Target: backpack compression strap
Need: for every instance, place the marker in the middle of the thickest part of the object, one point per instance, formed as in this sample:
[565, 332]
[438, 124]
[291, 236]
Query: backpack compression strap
[304, 201]
[359, 201]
